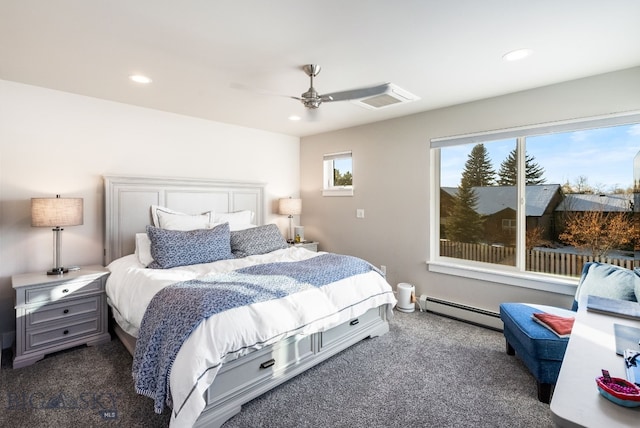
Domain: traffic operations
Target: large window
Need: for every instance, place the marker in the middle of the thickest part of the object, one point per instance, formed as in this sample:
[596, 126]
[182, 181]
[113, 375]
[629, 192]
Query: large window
[542, 199]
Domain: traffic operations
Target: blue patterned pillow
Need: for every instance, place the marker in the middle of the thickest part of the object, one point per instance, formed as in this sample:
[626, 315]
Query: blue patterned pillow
[171, 248]
[257, 240]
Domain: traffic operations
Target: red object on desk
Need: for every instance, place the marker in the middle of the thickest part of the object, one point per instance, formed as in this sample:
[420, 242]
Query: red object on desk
[561, 326]
[619, 391]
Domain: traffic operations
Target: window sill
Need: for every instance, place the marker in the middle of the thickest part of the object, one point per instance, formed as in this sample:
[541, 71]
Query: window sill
[550, 283]
[338, 191]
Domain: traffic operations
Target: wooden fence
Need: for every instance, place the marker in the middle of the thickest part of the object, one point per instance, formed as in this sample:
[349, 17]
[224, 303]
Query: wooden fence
[552, 262]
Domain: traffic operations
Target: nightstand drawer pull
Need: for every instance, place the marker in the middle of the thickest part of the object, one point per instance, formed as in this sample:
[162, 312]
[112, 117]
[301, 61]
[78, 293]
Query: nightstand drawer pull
[354, 322]
[267, 364]
[65, 332]
[66, 290]
[66, 311]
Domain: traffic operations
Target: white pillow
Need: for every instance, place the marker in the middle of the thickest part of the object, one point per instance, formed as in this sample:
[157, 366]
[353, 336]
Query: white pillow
[154, 214]
[244, 217]
[166, 218]
[143, 249]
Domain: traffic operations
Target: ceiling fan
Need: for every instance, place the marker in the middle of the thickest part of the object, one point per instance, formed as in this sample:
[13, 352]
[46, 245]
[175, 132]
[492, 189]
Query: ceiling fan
[312, 99]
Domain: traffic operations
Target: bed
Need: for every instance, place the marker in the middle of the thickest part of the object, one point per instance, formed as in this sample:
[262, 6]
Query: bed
[297, 313]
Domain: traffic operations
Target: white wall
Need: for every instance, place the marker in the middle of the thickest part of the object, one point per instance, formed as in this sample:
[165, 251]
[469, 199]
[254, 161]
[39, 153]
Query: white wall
[53, 142]
[392, 180]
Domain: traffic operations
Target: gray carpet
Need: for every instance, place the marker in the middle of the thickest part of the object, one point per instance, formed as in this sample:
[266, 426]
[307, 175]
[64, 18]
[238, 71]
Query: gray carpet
[428, 371]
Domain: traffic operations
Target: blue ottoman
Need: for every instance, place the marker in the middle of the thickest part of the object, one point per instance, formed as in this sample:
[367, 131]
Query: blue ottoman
[540, 349]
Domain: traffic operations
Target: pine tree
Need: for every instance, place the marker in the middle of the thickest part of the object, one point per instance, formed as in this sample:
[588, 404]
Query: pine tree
[478, 170]
[464, 223]
[507, 176]
[339, 179]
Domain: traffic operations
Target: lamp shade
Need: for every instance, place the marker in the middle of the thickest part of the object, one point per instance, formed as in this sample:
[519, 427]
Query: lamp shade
[290, 206]
[54, 212]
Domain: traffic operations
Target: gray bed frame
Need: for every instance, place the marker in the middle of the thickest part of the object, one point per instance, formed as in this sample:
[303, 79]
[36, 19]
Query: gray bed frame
[127, 212]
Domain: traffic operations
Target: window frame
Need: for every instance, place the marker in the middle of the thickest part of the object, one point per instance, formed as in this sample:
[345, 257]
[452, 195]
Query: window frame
[328, 187]
[508, 275]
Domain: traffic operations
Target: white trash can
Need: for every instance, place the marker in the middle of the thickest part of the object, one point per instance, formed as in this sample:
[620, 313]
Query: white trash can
[405, 297]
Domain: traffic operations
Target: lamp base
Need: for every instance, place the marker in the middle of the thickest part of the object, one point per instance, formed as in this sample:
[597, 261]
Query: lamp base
[57, 271]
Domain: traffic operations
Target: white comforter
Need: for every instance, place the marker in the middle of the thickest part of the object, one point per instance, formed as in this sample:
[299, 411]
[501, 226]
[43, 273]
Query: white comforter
[131, 287]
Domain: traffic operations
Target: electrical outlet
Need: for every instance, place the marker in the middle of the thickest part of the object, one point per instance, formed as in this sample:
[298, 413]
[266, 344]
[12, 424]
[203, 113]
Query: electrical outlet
[360, 213]
[383, 269]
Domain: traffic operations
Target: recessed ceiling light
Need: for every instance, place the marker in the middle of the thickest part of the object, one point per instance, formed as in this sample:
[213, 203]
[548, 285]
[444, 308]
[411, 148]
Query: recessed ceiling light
[294, 117]
[139, 78]
[516, 55]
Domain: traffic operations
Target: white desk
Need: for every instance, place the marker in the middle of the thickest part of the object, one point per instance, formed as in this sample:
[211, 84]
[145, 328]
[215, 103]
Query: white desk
[576, 401]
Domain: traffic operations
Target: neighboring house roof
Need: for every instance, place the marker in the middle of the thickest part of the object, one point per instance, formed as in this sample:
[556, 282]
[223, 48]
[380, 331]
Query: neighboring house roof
[589, 202]
[492, 199]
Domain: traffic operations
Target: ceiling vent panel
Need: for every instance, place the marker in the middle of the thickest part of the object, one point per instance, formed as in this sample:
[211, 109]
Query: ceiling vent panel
[393, 96]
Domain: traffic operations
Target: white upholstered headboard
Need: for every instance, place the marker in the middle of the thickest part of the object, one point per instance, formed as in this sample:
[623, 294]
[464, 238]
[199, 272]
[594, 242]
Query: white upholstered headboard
[128, 200]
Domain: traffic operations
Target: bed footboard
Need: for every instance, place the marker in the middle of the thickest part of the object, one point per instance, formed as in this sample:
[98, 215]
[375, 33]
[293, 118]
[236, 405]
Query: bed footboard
[248, 377]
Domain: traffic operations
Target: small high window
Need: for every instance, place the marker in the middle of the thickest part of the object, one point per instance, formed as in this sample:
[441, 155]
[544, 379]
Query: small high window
[338, 174]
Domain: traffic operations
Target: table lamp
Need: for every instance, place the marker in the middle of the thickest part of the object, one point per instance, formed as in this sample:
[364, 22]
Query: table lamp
[290, 207]
[56, 212]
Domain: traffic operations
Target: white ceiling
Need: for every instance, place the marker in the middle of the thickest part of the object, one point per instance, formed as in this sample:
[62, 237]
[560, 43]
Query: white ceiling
[446, 52]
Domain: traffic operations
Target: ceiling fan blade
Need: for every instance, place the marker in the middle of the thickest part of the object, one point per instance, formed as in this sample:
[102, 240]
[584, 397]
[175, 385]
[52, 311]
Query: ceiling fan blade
[355, 94]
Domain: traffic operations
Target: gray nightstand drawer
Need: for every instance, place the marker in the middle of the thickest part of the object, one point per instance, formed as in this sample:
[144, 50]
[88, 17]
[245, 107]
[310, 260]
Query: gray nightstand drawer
[77, 328]
[63, 310]
[52, 293]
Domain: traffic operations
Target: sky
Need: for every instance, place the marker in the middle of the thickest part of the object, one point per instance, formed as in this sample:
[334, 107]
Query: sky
[605, 156]
[343, 165]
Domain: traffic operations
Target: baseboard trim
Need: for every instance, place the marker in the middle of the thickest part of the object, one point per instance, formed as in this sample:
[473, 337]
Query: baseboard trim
[460, 312]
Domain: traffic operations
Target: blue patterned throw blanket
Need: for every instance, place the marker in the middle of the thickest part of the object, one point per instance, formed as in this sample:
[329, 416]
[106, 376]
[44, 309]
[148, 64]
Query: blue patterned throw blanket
[176, 310]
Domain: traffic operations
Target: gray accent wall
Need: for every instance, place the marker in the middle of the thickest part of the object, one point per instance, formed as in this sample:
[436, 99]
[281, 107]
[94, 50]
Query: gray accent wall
[392, 181]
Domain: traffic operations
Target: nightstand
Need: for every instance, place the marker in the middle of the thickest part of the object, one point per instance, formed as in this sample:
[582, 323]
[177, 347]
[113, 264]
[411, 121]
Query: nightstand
[56, 312]
[310, 245]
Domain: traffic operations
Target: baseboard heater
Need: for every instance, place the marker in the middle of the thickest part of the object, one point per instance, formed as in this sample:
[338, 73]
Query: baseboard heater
[469, 314]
